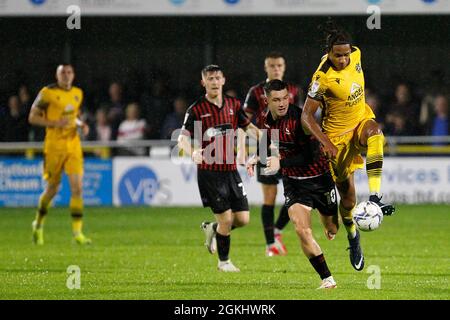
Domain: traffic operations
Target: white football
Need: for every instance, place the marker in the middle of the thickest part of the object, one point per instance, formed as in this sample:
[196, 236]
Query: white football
[367, 216]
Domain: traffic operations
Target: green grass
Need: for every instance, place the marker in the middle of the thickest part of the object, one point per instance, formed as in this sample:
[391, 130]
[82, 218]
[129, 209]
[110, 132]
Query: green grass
[158, 253]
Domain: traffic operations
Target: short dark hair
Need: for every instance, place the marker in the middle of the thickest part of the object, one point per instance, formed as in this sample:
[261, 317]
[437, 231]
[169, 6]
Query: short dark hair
[211, 68]
[274, 85]
[334, 35]
[274, 55]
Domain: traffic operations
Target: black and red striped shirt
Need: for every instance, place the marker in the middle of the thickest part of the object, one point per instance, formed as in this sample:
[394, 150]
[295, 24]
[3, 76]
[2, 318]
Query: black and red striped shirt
[300, 154]
[217, 132]
[255, 101]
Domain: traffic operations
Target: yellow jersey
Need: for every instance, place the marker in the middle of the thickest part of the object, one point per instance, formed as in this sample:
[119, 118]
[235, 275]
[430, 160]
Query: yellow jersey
[58, 103]
[341, 94]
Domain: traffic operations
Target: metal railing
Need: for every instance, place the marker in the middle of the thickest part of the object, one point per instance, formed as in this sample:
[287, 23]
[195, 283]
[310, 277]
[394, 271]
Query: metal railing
[408, 145]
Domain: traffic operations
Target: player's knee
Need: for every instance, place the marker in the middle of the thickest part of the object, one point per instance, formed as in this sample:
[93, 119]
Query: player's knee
[52, 189]
[76, 191]
[375, 130]
[348, 202]
[241, 220]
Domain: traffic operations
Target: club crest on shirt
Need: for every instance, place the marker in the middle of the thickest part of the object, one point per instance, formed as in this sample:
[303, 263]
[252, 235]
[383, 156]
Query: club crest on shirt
[69, 109]
[358, 67]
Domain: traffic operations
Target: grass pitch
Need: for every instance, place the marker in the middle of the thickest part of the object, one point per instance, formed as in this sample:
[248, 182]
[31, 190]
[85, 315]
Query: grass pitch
[158, 253]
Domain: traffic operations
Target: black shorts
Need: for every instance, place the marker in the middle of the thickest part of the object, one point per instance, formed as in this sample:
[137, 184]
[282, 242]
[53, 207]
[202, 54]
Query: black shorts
[318, 193]
[222, 190]
[266, 179]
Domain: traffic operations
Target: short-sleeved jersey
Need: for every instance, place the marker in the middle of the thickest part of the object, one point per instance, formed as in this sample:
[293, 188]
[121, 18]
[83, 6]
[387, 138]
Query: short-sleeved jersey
[58, 103]
[301, 150]
[341, 94]
[255, 101]
[216, 128]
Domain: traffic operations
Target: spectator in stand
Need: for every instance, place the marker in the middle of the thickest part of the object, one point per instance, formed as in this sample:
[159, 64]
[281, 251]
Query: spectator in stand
[25, 98]
[116, 107]
[373, 101]
[35, 133]
[15, 126]
[132, 129]
[407, 109]
[440, 124]
[175, 119]
[396, 125]
[101, 131]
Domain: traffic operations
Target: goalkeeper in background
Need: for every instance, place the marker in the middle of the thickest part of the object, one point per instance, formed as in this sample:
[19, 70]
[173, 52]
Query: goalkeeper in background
[56, 108]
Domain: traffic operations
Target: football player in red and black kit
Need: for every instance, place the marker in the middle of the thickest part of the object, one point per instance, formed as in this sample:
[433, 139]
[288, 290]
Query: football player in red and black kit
[255, 106]
[213, 121]
[306, 176]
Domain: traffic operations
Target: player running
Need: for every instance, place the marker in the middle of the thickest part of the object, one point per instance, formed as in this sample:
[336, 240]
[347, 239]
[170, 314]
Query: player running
[348, 128]
[213, 120]
[306, 175]
[256, 107]
[56, 108]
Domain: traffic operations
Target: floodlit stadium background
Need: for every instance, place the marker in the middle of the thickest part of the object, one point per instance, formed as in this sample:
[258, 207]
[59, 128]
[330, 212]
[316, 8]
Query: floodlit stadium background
[151, 53]
[155, 50]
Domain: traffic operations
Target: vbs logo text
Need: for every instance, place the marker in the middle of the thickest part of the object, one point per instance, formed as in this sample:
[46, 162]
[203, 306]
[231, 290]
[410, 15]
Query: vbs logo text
[138, 186]
[37, 2]
[232, 1]
[178, 2]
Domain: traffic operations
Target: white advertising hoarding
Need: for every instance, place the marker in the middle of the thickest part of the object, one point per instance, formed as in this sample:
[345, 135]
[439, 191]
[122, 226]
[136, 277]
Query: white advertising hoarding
[143, 181]
[222, 7]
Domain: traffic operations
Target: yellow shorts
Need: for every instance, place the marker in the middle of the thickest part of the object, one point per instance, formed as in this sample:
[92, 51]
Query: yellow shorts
[55, 163]
[348, 158]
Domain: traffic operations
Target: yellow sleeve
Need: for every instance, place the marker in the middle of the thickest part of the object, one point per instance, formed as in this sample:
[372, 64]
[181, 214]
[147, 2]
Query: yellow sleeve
[356, 54]
[43, 98]
[318, 86]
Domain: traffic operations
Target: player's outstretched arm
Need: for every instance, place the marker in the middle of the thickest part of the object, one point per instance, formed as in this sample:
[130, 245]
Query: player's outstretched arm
[310, 124]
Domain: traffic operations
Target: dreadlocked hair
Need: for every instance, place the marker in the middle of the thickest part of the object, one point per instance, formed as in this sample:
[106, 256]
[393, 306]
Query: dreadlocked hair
[334, 34]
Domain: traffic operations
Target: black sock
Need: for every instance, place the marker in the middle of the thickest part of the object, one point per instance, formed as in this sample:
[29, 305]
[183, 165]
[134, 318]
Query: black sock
[320, 265]
[215, 224]
[283, 218]
[267, 221]
[223, 246]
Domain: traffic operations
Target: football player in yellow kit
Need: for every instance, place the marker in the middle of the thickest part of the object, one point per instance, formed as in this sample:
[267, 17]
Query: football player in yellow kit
[56, 108]
[348, 127]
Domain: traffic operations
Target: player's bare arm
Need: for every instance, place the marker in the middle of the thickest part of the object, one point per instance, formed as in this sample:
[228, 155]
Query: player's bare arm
[310, 123]
[185, 144]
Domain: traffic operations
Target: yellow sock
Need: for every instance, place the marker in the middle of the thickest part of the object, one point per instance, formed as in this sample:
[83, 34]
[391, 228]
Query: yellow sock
[44, 203]
[374, 162]
[346, 216]
[76, 210]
